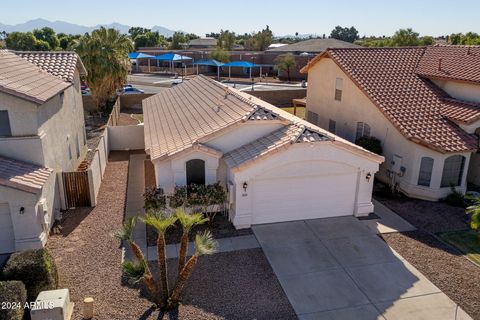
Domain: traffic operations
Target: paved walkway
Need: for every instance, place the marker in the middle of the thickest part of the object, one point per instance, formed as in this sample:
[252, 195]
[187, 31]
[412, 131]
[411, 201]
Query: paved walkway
[134, 201]
[338, 268]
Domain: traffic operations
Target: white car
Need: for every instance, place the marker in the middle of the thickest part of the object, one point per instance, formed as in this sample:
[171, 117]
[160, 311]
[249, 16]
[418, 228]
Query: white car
[130, 90]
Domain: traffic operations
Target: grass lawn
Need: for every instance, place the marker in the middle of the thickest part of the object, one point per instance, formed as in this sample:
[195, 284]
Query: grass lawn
[300, 111]
[138, 117]
[466, 241]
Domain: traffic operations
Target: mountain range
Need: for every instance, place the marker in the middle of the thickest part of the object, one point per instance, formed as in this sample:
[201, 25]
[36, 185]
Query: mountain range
[71, 28]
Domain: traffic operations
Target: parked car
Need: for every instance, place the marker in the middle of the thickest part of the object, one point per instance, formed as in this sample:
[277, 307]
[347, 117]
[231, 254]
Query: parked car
[86, 91]
[129, 89]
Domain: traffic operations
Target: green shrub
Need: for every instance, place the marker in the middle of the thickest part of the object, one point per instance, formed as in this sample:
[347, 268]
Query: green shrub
[154, 198]
[371, 144]
[15, 294]
[35, 268]
[455, 198]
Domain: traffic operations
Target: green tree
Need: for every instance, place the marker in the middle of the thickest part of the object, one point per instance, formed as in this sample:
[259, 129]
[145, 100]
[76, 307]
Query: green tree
[344, 34]
[24, 41]
[226, 40]
[104, 53]
[41, 45]
[136, 31]
[405, 38]
[178, 39]
[220, 55]
[48, 35]
[427, 41]
[149, 39]
[261, 40]
[286, 64]
[470, 38]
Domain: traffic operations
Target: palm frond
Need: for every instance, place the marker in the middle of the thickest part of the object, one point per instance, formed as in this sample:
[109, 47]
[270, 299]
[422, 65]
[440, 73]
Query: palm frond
[125, 233]
[133, 270]
[188, 221]
[159, 220]
[205, 244]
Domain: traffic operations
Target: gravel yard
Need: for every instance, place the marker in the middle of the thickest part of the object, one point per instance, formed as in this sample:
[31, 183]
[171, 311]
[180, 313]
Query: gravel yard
[233, 285]
[456, 276]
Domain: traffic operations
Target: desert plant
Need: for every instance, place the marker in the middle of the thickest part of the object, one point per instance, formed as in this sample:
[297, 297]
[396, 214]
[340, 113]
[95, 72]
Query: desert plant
[474, 212]
[13, 292]
[204, 245]
[187, 221]
[125, 234]
[161, 221]
[372, 144]
[154, 198]
[35, 268]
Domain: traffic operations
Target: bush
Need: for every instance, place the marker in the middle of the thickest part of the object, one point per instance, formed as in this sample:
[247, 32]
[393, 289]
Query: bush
[35, 268]
[13, 292]
[154, 198]
[371, 144]
[455, 198]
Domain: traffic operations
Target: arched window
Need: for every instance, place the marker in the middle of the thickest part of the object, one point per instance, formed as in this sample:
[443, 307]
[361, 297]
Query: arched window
[453, 171]
[195, 171]
[425, 174]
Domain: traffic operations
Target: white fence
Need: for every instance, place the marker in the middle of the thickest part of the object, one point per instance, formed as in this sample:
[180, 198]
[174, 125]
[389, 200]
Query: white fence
[126, 137]
[97, 167]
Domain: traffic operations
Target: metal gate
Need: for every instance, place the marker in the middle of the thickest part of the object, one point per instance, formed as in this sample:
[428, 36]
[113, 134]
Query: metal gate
[77, 191]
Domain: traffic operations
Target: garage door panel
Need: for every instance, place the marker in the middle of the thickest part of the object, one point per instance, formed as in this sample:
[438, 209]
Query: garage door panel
[286, 199]
[7, 238]
[305, 169]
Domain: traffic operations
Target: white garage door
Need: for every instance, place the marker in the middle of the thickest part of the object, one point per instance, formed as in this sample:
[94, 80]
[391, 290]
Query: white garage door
[297, 198]
[7, 238]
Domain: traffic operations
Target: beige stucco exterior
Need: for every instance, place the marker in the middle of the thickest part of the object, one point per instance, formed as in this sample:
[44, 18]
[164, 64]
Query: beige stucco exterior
[355, 107]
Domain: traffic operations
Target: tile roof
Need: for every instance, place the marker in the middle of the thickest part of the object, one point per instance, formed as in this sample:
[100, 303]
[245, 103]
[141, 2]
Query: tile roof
[20, 78]
[414, 105]
[451, 62]
[181, 117]
[461, 111]
[61, 64]
[284, 136]
[23, 176]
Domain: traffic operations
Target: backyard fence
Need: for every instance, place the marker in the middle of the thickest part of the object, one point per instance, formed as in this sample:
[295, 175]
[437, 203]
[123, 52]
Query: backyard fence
[77, 191]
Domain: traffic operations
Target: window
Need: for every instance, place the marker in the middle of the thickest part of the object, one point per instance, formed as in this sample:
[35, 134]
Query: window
[363, 130]
[338, 89]
[195, 171]
[425, 174]
[5, 129]
[332, 126]
[312, 117]
[453, 171]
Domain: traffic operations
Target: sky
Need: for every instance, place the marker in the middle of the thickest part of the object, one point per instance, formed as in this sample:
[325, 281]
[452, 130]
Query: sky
[428, 17]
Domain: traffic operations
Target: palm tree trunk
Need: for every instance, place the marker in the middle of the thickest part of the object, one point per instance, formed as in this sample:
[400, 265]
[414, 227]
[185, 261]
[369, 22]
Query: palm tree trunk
[182, 256]
[147, 275]
[181, 281]
[162, 264]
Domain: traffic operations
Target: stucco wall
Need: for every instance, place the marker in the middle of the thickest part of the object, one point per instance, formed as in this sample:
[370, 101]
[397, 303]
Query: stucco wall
[355, 107]
[460, 90]
[126, 137]
[279, 98]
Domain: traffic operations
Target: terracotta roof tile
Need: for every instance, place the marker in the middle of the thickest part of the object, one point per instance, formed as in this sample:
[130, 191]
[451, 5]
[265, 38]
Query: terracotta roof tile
[23, 176]
[61, 64]
[413, 104]
[20, 78]
[451, 62]
[461, 111]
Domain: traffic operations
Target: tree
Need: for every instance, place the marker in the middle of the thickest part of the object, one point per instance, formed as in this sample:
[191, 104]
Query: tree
[104, 53]
[405, 38]
[178, 39]
[48, 35]
[470, 38]
[261, 40]
[427, 41]
[41, 45]
[474, 212]
[149, 39]
[344, 34]
[24, 41]
[136, 31]
[226, 40]
[220, 55]
[286, 64]
[139, 270]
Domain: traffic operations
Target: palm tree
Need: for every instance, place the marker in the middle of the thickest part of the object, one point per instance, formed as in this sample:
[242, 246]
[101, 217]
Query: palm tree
[125, 234]
[104, 53]
[188, 221]
[286, 64]
[161, 222]
[204, 245]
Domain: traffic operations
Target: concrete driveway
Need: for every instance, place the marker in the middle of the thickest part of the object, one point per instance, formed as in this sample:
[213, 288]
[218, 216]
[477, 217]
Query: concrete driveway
[338, 268]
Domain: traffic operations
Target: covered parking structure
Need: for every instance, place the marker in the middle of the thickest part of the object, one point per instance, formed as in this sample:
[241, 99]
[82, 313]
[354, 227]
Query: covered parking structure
[210, 63]
[172, 58]
[244, 64]
[138, 55]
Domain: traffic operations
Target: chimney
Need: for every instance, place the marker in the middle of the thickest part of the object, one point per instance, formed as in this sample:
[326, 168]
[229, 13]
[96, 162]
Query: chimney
[440, 64]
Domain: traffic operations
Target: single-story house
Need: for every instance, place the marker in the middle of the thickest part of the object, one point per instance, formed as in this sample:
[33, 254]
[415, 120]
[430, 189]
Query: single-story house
[275, 166]
[422, 103]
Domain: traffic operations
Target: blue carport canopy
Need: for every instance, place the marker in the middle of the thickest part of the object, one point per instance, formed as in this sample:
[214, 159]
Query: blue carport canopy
[241, 64]
[172, 57]
[139, 55]
[212, 63]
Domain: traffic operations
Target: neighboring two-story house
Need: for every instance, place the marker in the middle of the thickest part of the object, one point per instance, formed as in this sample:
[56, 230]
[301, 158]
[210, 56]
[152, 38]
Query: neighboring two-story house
[422, 103]
[42, 133]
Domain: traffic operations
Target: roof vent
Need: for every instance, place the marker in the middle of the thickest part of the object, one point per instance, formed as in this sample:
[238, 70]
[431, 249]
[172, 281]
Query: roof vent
[440, 64]
[217, 107]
